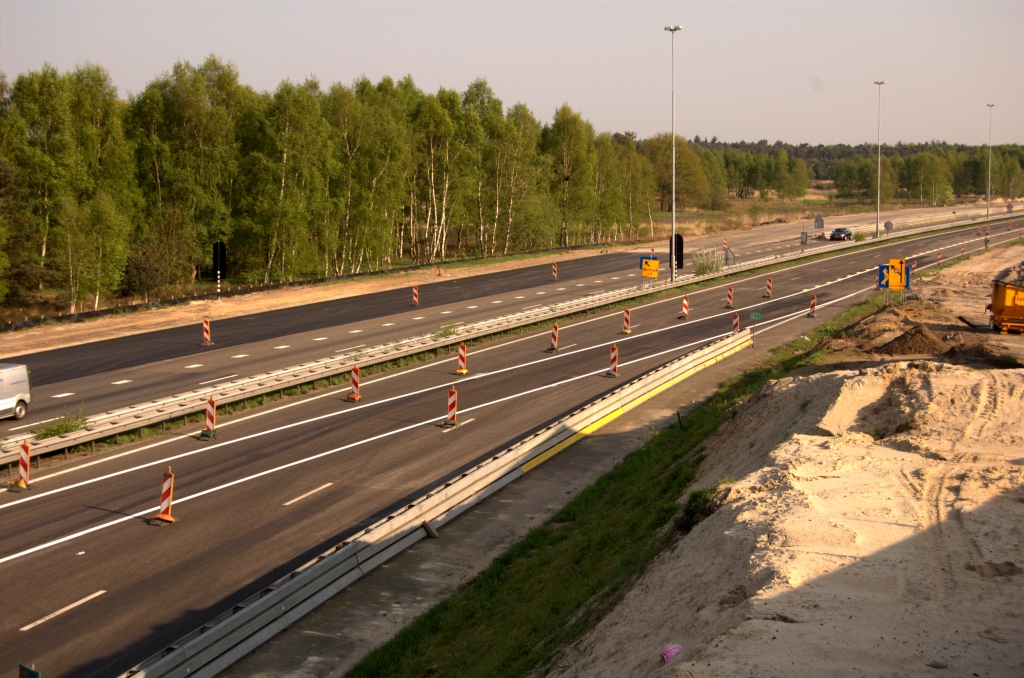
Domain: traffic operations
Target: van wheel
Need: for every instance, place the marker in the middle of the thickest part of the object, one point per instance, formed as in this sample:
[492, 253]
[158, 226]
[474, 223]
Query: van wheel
[20, 409]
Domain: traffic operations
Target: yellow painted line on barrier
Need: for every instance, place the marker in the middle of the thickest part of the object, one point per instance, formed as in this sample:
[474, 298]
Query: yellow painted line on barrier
[612, 416]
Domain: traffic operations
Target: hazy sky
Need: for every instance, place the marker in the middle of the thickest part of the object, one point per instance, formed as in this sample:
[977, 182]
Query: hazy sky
[745, 69]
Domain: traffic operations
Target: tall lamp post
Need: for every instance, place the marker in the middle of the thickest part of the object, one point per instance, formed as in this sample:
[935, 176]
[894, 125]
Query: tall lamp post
[988, 202]
[672, 243]
[878, 204]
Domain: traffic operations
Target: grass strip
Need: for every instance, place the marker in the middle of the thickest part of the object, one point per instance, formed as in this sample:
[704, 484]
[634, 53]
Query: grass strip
[553, 585]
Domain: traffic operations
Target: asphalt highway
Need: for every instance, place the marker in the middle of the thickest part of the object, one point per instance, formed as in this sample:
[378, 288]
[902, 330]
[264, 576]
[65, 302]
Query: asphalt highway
[104, 375]
[98, 590]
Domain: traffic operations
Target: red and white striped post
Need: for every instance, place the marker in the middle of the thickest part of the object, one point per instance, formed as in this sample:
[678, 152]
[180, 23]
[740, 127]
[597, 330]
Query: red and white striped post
[725, 243]
[210, 429]
[1021, 234]
[626, 325]
[415, 295]
[735, 322]
[166, 498]
[461, 369]
[938, 258]
[685, 315]
[554, 339]
[814, 307]
[354, 394]
[913, 266]
[653, 255]
[728, 298]
[24, 461]
[988, 230]
[979, 230]
[768, 288]
[613, 368]
[206, 332]
[963, 250]
[554, 271]
[453, 407]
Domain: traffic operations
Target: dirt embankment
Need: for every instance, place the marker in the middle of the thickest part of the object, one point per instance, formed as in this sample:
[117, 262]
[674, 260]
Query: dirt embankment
[872, 523]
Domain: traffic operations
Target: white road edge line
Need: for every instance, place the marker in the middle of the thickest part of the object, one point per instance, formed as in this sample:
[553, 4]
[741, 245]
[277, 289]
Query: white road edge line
[217, 379]
[61, 611]
[289, 503]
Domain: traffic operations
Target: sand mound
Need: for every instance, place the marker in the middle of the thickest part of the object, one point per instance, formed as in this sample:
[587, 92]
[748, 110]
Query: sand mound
[874, 525]
[918, 339]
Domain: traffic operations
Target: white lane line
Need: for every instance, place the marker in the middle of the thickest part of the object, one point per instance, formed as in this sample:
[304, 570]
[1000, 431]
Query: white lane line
[615, 278]
[192, 367]
[354, 331]
[496, 302]
[36, 423]
[350, 348]
[581, 285]
[520, 297]
[598, 281]
[241, 355]
[540, 292]
[445, 312]
[217, 379]
[631, 275]
[531, 306]
[289, 503]
[460, 425]
[472, 307]
[62, 395]
[280, 347]
[387, 324]
[61, 611]
[419, 317]
[122, 381]
[559, 289]
[320, 339]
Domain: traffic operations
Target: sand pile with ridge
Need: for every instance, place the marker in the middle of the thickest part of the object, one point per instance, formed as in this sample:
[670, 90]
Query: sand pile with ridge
[917, 340]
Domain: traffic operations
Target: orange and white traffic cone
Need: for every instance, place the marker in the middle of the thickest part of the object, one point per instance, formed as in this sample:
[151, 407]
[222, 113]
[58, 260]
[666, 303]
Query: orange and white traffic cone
[768, 288]
[613, 368]
[554, 271]
[626, 326]
[735, 322]
[728, 298]
[814, 307]
[415, 295]
[206, 332]
[453, 407]
[462, 359]
[210, 429]
[554, 339]
[685, 314]
[166, 498]
[24, 462]
[354, 394]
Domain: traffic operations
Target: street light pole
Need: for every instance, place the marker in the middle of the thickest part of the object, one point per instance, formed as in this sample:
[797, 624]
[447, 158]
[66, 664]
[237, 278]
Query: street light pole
[988, 202]
[672, 243]
[878, 204]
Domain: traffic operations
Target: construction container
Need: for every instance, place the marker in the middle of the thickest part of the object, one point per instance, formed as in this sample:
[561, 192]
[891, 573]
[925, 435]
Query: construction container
[1007, 307]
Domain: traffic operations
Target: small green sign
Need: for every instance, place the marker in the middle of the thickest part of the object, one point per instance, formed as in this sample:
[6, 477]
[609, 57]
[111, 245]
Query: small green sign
[28, 672]
[755, 316]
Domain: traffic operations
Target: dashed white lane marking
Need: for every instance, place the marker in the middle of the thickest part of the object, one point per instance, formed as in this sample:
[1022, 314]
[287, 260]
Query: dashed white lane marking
[540, 292]
[217, 379]
[192, 367]
[520, 297]
[35, 423]
[62, 395]
[631, 275]
[350, 348]
[280, 347]
[472, 307]
[61, 611]
[354, 331]
[299, 498]
[615, 278]
[496, 302]
[320, 339]
[445, 312]
[419, 317]
[560, 289]
[581, 285]
[122, 381]
[387, 324]
[241, 355]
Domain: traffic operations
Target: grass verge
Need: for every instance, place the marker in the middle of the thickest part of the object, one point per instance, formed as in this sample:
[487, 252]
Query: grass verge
[554, 584]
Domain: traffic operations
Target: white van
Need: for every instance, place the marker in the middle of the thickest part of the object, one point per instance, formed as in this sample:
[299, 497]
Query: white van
[15, 390]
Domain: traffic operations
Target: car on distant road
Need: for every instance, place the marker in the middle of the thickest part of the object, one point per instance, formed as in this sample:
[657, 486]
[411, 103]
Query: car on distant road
[841, 234]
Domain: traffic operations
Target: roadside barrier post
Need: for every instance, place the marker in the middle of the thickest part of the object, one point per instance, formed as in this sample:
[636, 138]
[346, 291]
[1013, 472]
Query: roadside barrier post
[354, 394]
[554, 271]
[453, 407]
[206, 332]
[814, 307]
[735, 323]
[988, 230]
[686, 308]
[768, 289]
[210, 429]
[728, 298]
[626, 327]
[554, 339]
[613, 369]
[415, 295]
[462, 359]
[24, 461]
[913, 266]
[166, 497]
[725, 243]
[938, 258]
[963, 250]
[979, 230]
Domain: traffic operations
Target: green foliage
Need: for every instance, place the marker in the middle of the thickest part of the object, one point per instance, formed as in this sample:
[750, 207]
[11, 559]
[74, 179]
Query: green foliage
[860, 236]
[708, 260]
[65, 423]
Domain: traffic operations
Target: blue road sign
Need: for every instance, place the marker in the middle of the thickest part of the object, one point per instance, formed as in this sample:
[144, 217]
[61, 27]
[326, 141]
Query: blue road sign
[883, 276]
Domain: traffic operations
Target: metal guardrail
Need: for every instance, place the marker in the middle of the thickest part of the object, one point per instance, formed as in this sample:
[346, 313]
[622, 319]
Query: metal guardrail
[238, 631]
[160, 410]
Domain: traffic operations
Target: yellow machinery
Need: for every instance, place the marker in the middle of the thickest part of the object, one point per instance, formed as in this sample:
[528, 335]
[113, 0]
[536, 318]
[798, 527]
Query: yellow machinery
[1007, 307]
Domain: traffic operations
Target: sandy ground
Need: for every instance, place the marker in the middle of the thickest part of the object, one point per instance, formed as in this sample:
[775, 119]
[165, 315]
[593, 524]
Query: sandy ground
[58, 335]
[869, 521]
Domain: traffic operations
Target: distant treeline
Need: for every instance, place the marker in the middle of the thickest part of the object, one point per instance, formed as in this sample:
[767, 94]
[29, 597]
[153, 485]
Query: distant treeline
[102, 196]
